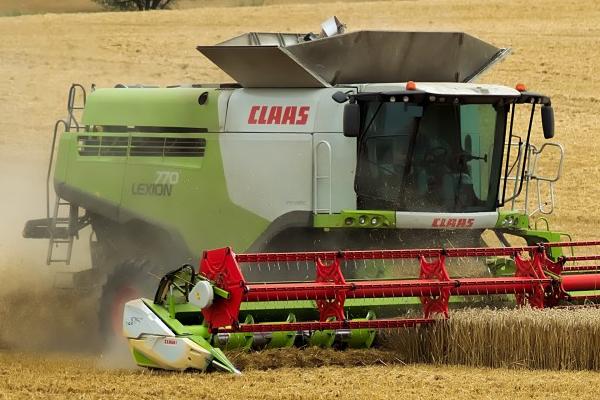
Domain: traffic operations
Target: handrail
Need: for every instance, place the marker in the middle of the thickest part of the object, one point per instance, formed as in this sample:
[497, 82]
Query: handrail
[50, 163]
[71, 105]
[317, 177]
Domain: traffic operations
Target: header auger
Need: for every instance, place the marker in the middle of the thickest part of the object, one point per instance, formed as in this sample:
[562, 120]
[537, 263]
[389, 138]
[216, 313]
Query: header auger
[219, 308]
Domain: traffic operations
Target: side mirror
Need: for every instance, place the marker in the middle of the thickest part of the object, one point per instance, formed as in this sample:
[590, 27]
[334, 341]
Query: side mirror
[351, 120]
[340, 97]
[548, 121]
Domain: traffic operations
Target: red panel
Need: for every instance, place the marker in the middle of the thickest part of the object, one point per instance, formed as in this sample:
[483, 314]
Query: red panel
[221, 268]
[333, 306]
[574, 283]
[435, 304]
[531, 268]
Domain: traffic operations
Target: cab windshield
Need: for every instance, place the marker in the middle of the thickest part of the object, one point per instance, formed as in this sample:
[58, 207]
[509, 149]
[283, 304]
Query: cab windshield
[439, 158]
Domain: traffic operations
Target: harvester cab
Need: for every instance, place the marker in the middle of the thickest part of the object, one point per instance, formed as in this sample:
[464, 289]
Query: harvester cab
[436, 147]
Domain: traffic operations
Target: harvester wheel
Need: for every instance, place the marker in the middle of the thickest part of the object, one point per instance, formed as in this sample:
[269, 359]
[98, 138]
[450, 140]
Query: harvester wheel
[129, 280]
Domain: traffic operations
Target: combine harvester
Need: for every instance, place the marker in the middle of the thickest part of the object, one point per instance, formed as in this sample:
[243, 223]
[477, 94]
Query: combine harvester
[453, 134]
[355, 141]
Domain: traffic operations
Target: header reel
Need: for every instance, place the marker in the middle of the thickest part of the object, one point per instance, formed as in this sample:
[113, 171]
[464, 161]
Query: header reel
[220, 308]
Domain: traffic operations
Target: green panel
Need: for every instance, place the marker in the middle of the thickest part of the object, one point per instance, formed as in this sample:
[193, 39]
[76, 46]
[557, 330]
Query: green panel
[142, 360]
[197, 204]
[512, 220]
[63, 156]
[283, 339]
[356, 219]
[175, 107]
[362, 338]
[583, 293]
[324, 338]
[99, 176]
[536, 236]
[518, 224]
[177, 327]
[191, 333]
[184, 195]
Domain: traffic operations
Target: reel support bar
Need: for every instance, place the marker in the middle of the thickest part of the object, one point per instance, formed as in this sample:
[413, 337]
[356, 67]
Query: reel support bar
[330, 325]
[400, 288]
[575, 268]
[412, 253]
[582, 258]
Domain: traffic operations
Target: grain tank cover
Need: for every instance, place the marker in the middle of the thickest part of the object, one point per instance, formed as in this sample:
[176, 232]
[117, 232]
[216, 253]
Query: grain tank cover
[295, 60]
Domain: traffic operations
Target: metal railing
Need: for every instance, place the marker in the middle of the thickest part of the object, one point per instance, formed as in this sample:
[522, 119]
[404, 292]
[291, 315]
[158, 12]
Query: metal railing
[531, 155]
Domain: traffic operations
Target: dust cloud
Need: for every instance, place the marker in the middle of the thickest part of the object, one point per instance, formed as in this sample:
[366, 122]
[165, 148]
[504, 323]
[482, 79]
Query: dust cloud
[34, 314]
[115, 355]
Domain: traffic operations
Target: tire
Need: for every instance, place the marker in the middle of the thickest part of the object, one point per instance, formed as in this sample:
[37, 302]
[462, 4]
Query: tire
[129, 280]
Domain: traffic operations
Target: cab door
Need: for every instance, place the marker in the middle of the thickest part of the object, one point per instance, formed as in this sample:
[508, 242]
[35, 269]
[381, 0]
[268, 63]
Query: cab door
[334, 166]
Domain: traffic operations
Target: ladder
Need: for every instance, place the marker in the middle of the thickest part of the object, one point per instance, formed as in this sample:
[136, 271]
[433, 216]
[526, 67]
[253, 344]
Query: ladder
[62, 231]
[63, 227]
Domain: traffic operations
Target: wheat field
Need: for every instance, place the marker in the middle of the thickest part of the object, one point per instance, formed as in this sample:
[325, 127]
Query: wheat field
[556, 48]
[73, 377]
